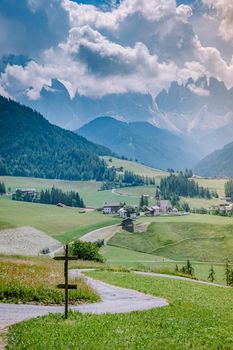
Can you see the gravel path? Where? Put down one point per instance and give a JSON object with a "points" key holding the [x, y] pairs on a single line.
{"points": [[113, 300], [25, 241]]}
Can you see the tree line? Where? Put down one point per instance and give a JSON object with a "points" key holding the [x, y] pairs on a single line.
{"points": [[229, 189], [50, 196], [129, 178], [182, 185], [2, 188]]}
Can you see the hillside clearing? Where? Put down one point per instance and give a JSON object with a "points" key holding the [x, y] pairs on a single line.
{"points": [[136, 167]]}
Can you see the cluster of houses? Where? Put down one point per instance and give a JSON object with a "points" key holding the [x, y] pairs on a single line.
{"points": [[224, 208]]}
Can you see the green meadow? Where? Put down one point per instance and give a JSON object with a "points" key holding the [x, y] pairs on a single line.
{"points": [[136, 167], [198, 317], [63, 224]]}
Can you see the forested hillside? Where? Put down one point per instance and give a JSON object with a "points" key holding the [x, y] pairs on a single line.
{"points": [[31, 146], [148, 144]]}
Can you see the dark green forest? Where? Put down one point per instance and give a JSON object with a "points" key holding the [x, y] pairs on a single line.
{"points": [[183, 185], [31, 146]]}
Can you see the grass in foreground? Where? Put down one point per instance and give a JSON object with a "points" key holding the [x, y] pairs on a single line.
{"points": [[198, 317], [34, 280]]}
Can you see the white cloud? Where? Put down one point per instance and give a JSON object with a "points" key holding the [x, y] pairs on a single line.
{"points": [[224, 10], [140, 46], [198, 90]]}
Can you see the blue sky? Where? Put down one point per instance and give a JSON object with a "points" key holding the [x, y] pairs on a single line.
{"points": [[135, 46]]}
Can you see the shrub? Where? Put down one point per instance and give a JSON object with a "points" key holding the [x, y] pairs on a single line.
{"points": [[86, 251], [186, 269]]}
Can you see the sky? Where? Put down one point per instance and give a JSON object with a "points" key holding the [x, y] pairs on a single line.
{"points": [[101, 47]]}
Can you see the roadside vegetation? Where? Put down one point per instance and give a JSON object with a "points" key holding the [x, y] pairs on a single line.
{"points": [[198, 317], [34, 280]]}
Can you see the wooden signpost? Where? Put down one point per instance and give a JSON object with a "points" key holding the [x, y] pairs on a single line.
{"points": [[66, 285]]}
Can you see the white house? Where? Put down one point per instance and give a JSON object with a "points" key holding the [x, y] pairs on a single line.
{"points": [[111, 208]]}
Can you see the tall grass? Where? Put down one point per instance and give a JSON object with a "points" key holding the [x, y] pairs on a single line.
{"points": [[35, 281]]}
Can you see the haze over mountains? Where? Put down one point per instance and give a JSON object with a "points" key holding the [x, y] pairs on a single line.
{"points": [[142, 141]]}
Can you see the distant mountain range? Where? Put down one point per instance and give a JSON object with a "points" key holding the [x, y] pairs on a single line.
{"points": [[218, 163], [202, 110], [31, 146], [142, 141]]}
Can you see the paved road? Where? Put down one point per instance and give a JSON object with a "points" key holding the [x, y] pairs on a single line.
{"points": [[102, 233], [153, 274], [113, 300]]}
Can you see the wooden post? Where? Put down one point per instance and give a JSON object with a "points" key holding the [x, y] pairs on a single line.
{"points": [[66, 280], [66, 285]]}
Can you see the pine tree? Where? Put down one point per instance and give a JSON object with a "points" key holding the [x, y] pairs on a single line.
{"points": [[227, 272], [211, 276]]}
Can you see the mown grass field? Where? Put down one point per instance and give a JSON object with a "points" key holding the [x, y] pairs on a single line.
{"points": [[34, 280], [137, 168], [213, 184], [149, 262], [63, 224], [180, 241], [199, 317]]}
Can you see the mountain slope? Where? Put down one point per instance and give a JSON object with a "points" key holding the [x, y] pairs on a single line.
{"points": [[218, 163], [31, 146], [140, 140]]}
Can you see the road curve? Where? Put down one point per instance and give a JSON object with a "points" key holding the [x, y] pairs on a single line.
{"points": [[113, 300], [154, 274]]}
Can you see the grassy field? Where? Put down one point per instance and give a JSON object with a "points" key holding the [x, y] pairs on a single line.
{"points": [[181, 240], [35, 280], [89, 190], [137, 168], [134, 193], [213, 184], [199, 317], [134, 260], [63, 224]]}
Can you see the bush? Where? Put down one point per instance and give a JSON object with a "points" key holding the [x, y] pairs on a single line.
{"points": [[86, 251]]}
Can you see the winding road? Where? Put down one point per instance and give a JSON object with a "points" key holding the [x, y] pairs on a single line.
{"points": [[113, 300]]}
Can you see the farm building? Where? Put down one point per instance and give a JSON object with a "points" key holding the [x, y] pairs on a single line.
{"points": [[29, 194], [127, 225], [111, 208]]}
